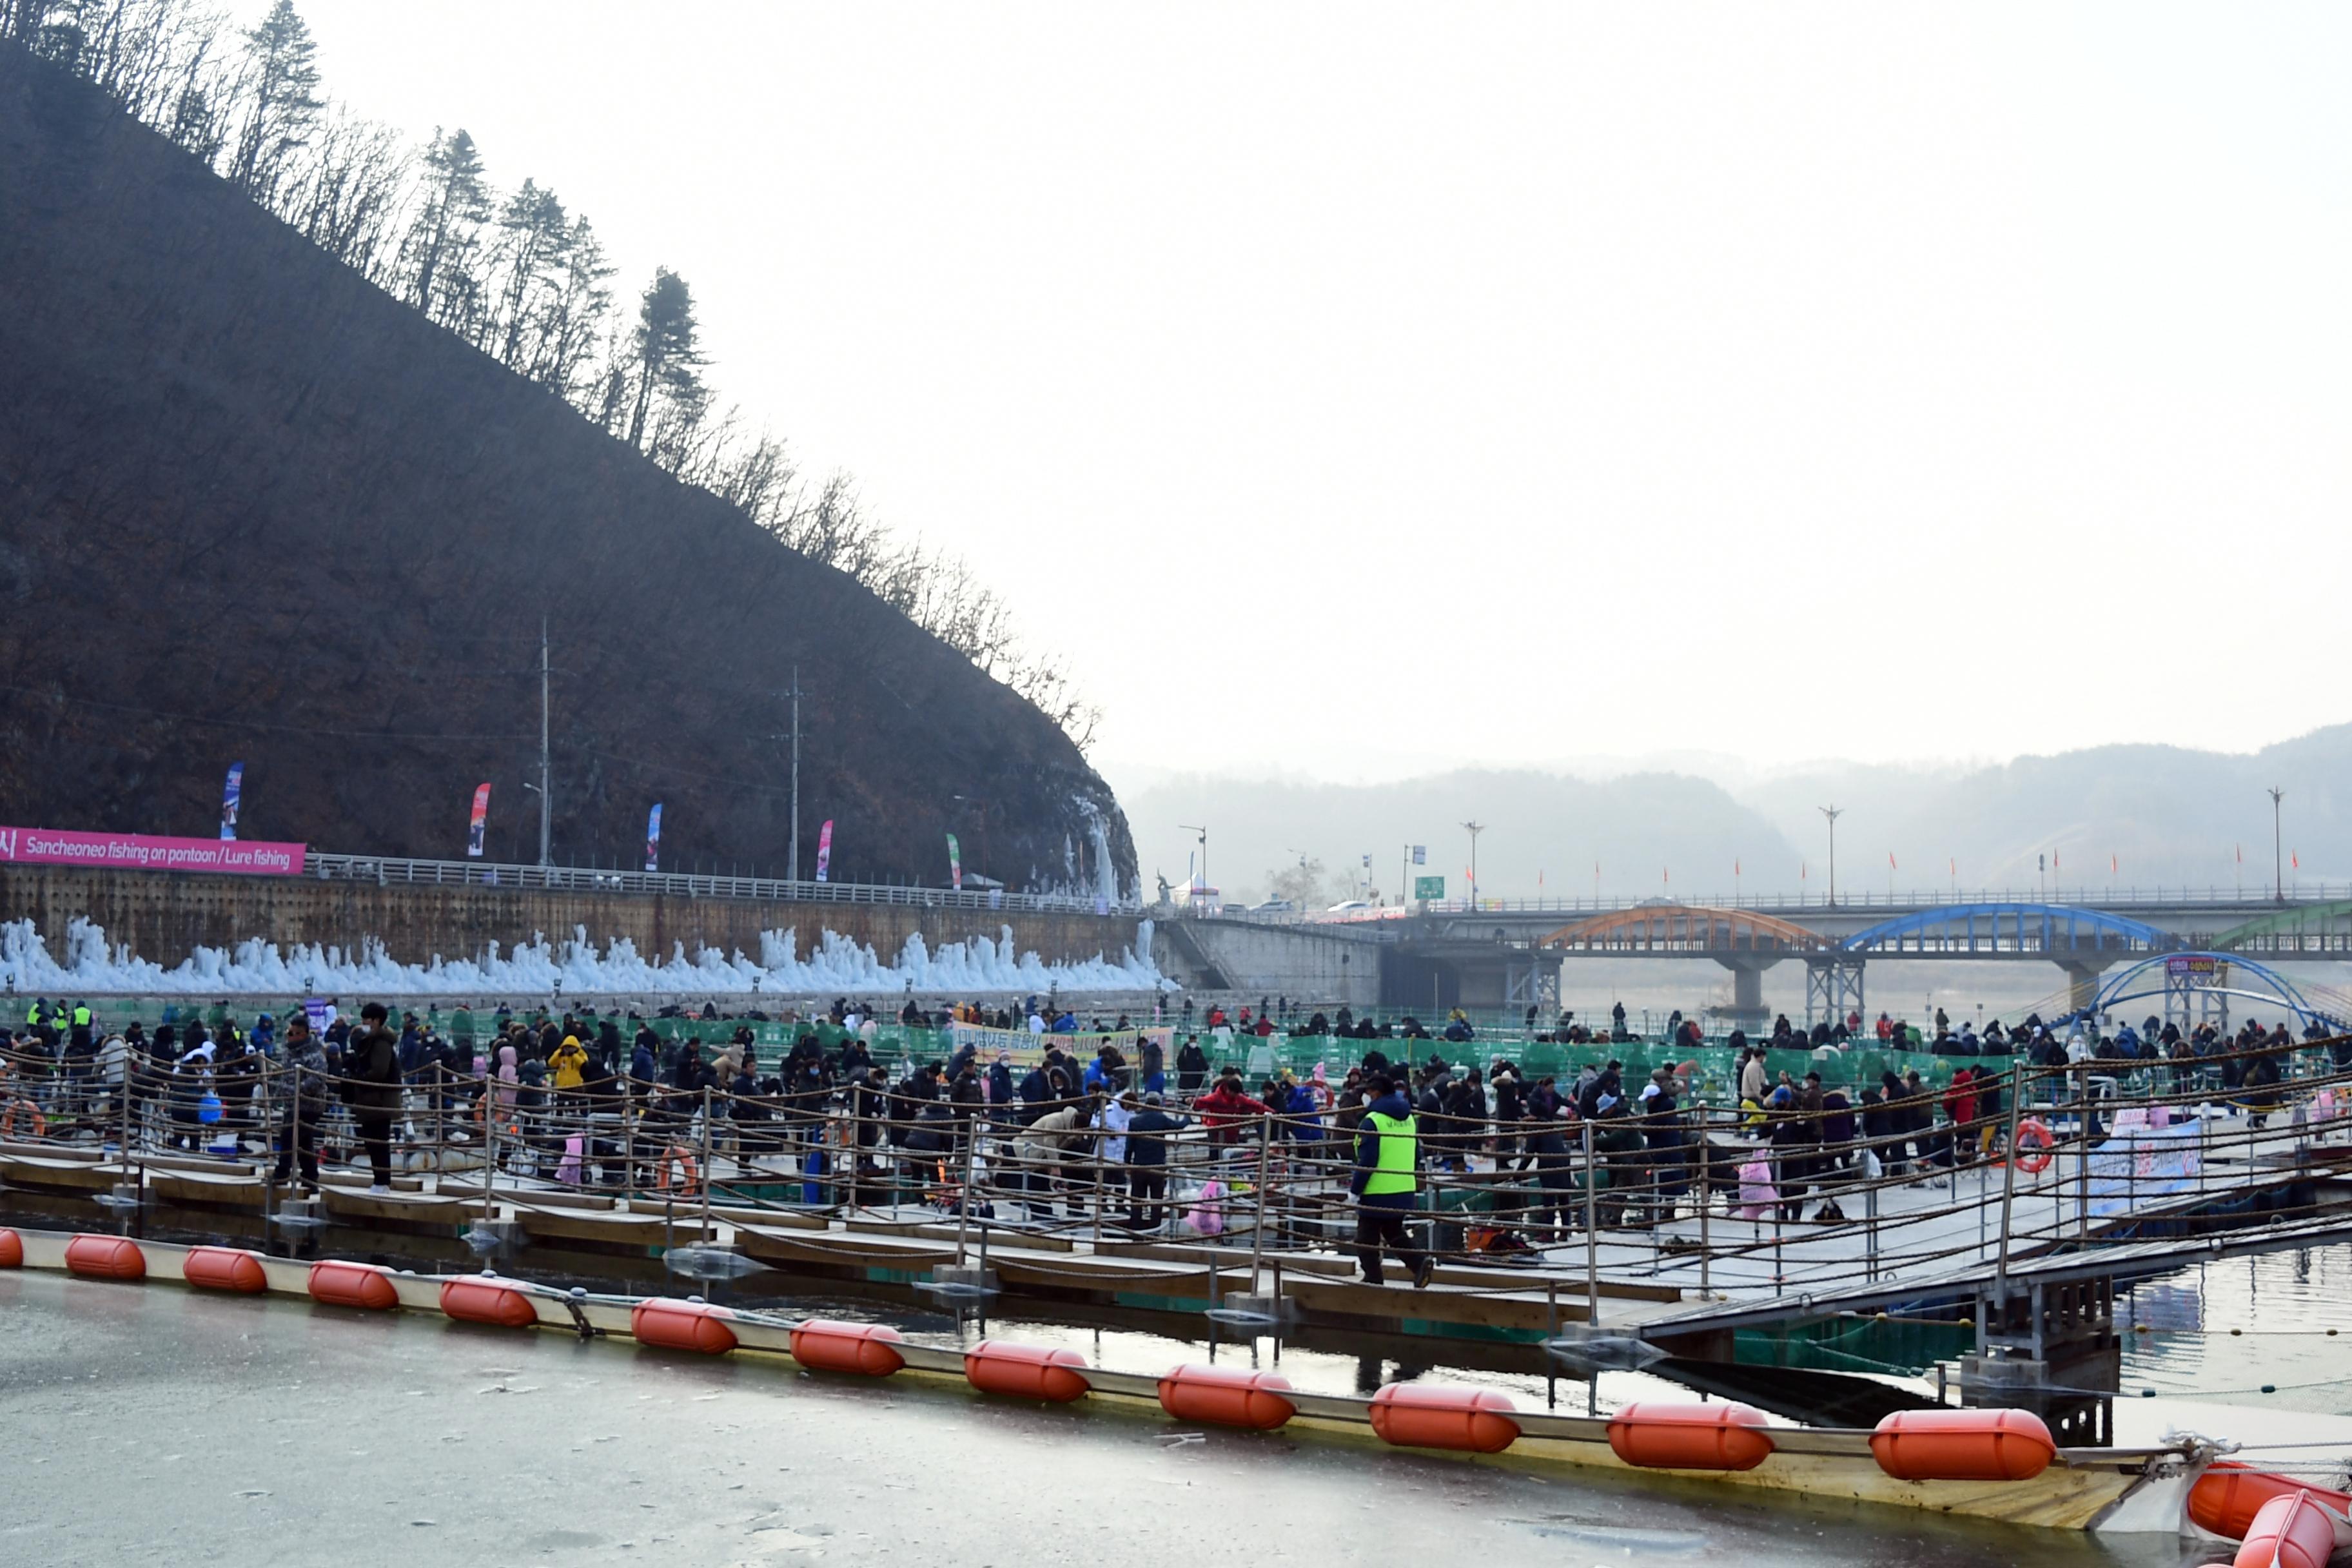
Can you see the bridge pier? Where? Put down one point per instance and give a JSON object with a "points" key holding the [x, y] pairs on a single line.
{"points": [[2082, 980], [1747, 984]]}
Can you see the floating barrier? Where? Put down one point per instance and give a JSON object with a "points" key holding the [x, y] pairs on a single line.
{"points": [[1690, 1436], [1963, 1445], [867, 1349], [2289, 1533], [677, 1325], [2036, 1145], [12, 1249], [225, 1268], [1421, 1416], [486, 1301], [367, 1286], [105, 1257], [1226, 1396], [1026, 1372]]}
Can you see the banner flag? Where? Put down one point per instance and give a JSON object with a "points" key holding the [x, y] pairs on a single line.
{"points": [[480, 820], [653, 838], [229, 799], [1420, 854], [824, 849], [955, 863]]}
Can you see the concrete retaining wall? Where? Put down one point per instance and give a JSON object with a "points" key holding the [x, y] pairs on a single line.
{"points": [[1235, 958], [162, 916]]}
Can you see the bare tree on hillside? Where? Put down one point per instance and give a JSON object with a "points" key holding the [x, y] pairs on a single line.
{"points": [[277, 92]]}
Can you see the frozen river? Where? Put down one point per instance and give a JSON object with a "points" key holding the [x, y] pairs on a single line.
{"points": [[149, 1423]]}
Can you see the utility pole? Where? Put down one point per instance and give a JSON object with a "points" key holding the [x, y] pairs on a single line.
{"points": [[1833, 813], [2278, 860], [1473, 829], [1203, 832], [792, 858], [546, 770]]}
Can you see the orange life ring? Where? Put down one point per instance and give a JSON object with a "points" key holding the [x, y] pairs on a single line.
{"points": [[678, 1161], [2034, 1144], [8, 1119]]}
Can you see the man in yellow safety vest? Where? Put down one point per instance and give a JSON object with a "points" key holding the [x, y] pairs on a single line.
{"points": [[1386, 1178]]}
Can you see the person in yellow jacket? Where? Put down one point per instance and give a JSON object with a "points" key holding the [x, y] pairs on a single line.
{"points": [[564, 1067], [1386, 1178]]}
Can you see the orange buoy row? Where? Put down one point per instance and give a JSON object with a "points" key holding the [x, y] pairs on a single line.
{"points": [[1963, 1445], [225, 1268], [12, 1249], [364, 1285], [1690, 1436], [1026, 1372], [1422, 1415], [105, 1257], [488, 1301], [1227, 1396], [682, 1326], [868, 1350]]}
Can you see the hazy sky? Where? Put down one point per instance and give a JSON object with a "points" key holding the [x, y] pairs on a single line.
{"points": [[1361, 390]]}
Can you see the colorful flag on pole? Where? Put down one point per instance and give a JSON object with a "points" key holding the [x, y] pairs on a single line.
{"points": [[653, 838], [229, 799], [2113, 864], [2294, 859], [2241, 854], [955, 863], [825, 849], [479, 821], [1890, 859]]}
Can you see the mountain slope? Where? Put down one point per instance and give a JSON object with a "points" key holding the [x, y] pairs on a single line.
{"points": [[253, 510]]}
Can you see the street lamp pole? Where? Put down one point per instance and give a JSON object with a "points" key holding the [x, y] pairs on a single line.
{"points": [[1193, 827], [1473, 829], [2278, 859], [1832, 813]]}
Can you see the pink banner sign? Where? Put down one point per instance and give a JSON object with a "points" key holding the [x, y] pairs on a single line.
{"points": [[145, 852]]}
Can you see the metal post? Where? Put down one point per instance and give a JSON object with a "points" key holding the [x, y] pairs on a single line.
{"points": [[971, 1164], [1592, 1234], [793, 857], [706, 1173], [1257, 1239], [1705, 1199], [2008, 1186]]}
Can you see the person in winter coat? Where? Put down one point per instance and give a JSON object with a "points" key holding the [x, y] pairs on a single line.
{"points": [[306, 1105], [1146, 1161], [1224, 1108], [1387, 1184], [1050, 1149], [1191, 1067], [371, 1090]]}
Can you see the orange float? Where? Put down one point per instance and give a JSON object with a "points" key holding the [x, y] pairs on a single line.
{"points": [[225, 1268], [105, 1257], [2034, 1145], [364, 1285], [675, 1325], [1963, 1445], [1026, 1372], [2289, 1533], [1226, 1396], [867, 1350], [475, 1300], [1690, 1436], [12, 1249], [1419, 1415], [2226, 1497]]}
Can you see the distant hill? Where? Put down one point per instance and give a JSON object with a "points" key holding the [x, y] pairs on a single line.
{"points": [[2164, 815], [252, 508]]}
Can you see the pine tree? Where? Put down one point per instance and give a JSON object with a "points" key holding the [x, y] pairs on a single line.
{"points": [[666, 359], [282, 101]]}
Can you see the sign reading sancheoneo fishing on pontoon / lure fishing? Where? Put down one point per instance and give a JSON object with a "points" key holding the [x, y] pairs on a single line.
{"points": [[2136, 1164], [147, 852]]}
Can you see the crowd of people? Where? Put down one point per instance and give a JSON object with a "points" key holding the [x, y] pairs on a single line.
{"points": [[612, 1100]]}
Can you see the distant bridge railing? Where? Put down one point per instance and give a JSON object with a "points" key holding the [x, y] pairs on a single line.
{"points": [[388, 871], [2299, 895]]}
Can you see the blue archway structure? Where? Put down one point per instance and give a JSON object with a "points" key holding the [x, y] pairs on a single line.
{"points": [[2186, 973], [2058, 931]]}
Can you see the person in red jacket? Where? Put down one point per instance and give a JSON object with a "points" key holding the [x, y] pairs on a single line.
{"points": [[1960, 1106], [1226, 1108]]}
